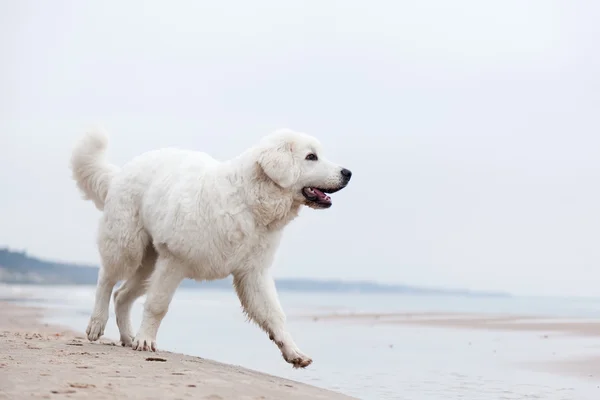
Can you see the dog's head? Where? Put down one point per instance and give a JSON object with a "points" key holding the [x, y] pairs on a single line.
{"points": [[295, 162]]}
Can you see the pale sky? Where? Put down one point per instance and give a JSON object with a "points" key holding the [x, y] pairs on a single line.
{"points": [[472, 127]]}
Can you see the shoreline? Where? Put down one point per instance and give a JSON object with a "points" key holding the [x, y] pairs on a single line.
{"points": [[39, 360]]}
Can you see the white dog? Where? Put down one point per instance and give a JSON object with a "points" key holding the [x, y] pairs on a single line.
{"points": [[173, 214]]}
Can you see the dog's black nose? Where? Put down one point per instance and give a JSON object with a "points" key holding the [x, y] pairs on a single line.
{"points": [[347, 174]]}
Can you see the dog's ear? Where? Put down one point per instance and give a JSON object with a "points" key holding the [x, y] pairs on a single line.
{"points": [[276, 158]]}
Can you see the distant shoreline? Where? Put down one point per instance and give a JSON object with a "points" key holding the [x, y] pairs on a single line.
{"points": [[19, 268], [40, 360]]}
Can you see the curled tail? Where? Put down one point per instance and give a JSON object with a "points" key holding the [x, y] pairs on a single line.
{"points": [[91, 171]]}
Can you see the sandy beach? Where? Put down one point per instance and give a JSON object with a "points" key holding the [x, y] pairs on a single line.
{"points": [[38, 360]]}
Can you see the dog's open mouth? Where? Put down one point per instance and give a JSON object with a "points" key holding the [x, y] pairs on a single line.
{"points": [[318, 197]]}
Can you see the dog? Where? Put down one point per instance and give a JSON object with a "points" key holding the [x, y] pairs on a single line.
{"points": [[171, 214]]}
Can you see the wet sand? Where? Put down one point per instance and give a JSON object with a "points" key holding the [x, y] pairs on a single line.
{"points": [[45, 361], [587, 367]]}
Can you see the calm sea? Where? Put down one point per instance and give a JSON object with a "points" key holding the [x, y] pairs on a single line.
{"points": [[361, 359]]}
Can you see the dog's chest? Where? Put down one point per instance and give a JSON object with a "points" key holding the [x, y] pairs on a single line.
{"points": [[241, 248], [224, 253]]}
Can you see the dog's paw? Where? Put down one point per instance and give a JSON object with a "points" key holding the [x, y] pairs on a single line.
{"points": [[127, 340], [143, 343], [95, 329], [301, 362], [296, 358]]}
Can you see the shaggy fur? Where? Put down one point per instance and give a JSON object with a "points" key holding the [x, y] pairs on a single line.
{"points": [[173, 214]]}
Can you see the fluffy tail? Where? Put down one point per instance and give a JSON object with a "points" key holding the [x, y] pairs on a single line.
{"points": [[91, 171]]}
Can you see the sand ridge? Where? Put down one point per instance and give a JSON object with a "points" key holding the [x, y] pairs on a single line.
{"points": [[499, 322]]}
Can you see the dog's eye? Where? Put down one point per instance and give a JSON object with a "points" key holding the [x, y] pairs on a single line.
{"points": [[312, 157]]}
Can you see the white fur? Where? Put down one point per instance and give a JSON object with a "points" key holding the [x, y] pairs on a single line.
{"points": [[172, 214], [91, 172]]}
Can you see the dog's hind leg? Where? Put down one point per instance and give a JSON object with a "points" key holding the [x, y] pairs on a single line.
{"points": [[121, 244], [129, 291], [105, 284]]}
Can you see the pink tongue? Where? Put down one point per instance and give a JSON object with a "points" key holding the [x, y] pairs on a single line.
{"points": [[321, 195]]}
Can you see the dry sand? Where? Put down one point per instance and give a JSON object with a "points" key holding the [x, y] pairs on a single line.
{"points": [[45, 361]]}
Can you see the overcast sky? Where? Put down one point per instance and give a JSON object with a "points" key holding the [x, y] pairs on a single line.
{"points": [[472, 128]]}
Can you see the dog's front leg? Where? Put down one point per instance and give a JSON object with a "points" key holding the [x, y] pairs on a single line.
{"points": [[257, 293]]}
